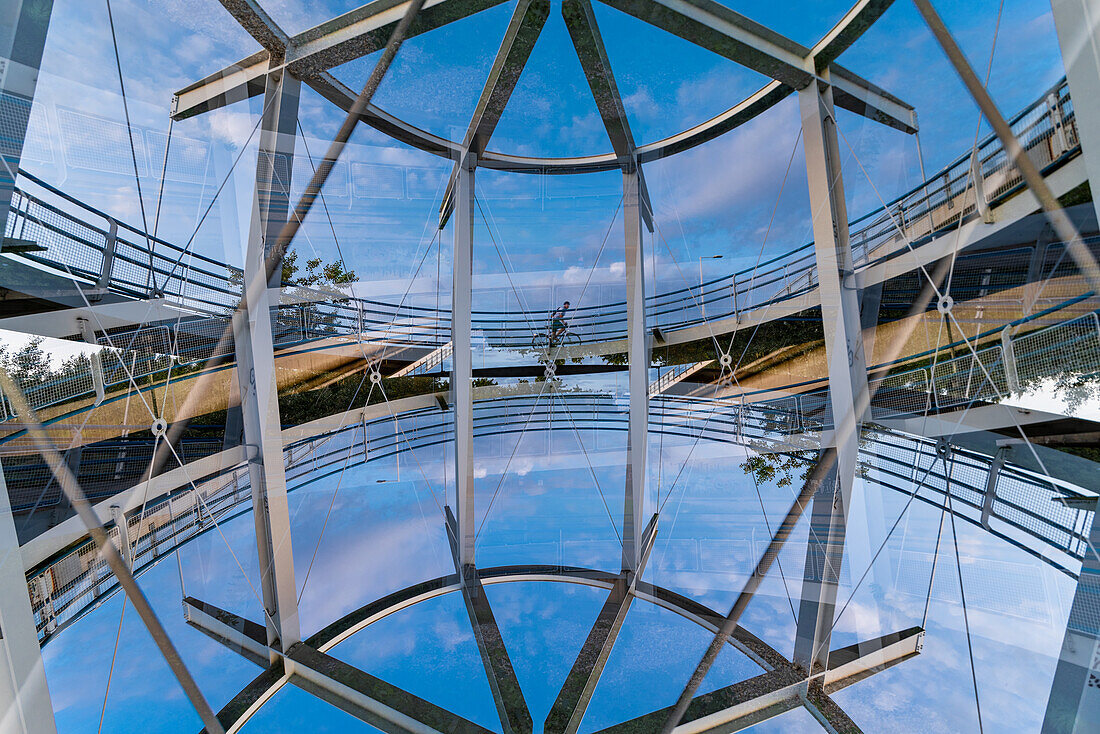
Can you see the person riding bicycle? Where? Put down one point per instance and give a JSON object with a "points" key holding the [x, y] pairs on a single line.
{"points": [[557, 322]]}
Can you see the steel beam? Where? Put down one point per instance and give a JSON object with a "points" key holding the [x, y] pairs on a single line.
{"points": [[576, 692], [728, 709], [847, 372], [581, 22], [311, 53], [715, 27], [638, 345], [370, 699], [366, 29], [818, 476], [519, 39], [252, 327], [523, 31], [515, 717], [462, 396], [25, 706], [749, 702], [243, 80], [856, 662], [255, 20], [1073, 706], [23, 25], [1078, 25]]}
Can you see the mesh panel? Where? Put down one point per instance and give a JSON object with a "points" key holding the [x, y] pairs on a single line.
{"points": [[1070, 347], [99, 144], [979, 376]]}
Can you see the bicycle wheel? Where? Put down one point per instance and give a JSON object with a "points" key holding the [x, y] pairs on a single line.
{"points": [[541, 342]]}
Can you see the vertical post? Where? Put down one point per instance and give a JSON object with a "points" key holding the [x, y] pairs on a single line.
{"points": [[980, 200], [1074, 702], [638, 377], [110, 243], [1059, 143], [252, 330], [119, 518], [1008, 353], [462, 357], [25, 706], [23, 25], [1078, 25], [847, 373]]}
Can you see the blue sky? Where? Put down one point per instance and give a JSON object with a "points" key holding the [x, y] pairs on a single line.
{"points": [[715, 199], [383, 537]]}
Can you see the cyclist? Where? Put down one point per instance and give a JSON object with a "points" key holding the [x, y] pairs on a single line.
{"points": [[557, 322]]}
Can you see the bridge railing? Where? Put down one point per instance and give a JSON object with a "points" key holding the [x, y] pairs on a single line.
{"points": [[116, 257], [960, 191], [1022, 507]]}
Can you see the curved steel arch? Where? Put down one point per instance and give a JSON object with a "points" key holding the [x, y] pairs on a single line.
{"points": [[244, 79], [236, 713]]}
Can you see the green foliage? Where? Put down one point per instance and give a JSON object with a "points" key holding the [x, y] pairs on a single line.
{"points": [[349, 393], [765, 467], [30, 366]]}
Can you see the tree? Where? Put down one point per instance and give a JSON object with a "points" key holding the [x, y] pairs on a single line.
{"points": [[307, 313]]}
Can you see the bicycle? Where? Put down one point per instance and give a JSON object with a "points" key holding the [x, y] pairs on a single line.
{"points": [[544, 341]]}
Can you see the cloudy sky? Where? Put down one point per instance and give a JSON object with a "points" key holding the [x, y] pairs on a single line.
{"points": [[382, 200], [381, 207], [549, 508]]}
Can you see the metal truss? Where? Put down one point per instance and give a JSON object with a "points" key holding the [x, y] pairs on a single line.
{"points": [[782, 687], [311, 54]]}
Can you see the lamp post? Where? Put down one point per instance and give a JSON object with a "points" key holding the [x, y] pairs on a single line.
{"points": [[702, 301]]}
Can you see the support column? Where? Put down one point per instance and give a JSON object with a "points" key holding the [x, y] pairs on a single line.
{"points": [[638, 380], [847, 373], [1074, 703], [462, 357], [25, 706], [23, 25], [1078, 26], [252, 330]]}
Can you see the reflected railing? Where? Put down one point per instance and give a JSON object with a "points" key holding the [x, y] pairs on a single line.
{"points": [[62, 233], [1022, 508]]}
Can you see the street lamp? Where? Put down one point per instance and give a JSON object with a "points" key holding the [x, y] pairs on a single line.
{"points": [[702, 300]]}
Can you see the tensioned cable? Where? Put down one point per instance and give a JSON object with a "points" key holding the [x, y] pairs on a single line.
{"points": [[534, 403], [591, 470], [221, 533], [962, 594], [412, 449], [778, 561], [163, 175], [321, 194], [932, 573], [336, 491], [124, 531], [764, 242], [735, 367], [71, 487], [111, 670], [523, 306], [977, 135], [244, 147], [130, 135], [958, 423], [968, 342], [330, 159]]}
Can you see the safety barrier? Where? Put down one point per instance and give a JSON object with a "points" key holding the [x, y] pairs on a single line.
{"points": [[120, 259], [1021, 507]]}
